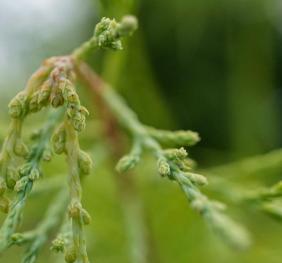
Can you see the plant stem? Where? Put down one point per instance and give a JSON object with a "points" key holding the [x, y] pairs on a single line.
{"points": [[85, 49], [72, 150], [38, 237], [13, 218]]}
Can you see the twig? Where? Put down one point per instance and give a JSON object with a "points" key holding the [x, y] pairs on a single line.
{"points": [[29, 172], [172, 168], [37, 237]]}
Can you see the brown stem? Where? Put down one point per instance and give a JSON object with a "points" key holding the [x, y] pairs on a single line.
{"points": [[96, 84]]}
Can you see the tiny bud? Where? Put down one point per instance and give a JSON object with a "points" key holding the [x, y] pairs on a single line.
{"points": [[24, 170], [57, 98], [34, 174], [102, 26], [86, 218], [71, 96], [72, 110], [17, 105], [78, 122], [47, 155], [181, 153], [84, 162], [59, 140], [69, 92], [75, 210], [176, 154], [21, 184], [67, 88], [84, 111], [107, 35], [11, 177], [44, 93], [70, 255], [163, 167], [11, 183], [127, 25], [21, 149], [174, 138], [188, 165], [43, 98], [197, 179], [127, 163], [58, 245], [17, 238], [183, 166], [187, 138]]}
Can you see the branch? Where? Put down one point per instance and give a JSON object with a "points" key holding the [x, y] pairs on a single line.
{"points": [[37, 237], [29, 172], [171, 164]]}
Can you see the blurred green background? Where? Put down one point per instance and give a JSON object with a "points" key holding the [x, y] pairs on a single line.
{"points": [[210, 66]]}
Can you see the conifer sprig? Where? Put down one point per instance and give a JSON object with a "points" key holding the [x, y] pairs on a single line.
{"points": [[171, 163], [36, 238], [79, 164], [27, 173], [54, 85], [107, 35]]}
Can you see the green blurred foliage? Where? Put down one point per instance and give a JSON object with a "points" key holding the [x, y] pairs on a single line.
{"points": [[220, 63]]}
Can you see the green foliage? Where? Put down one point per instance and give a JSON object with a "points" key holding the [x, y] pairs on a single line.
{"points": [[54, 86], [172, 164], [107, 35]]}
